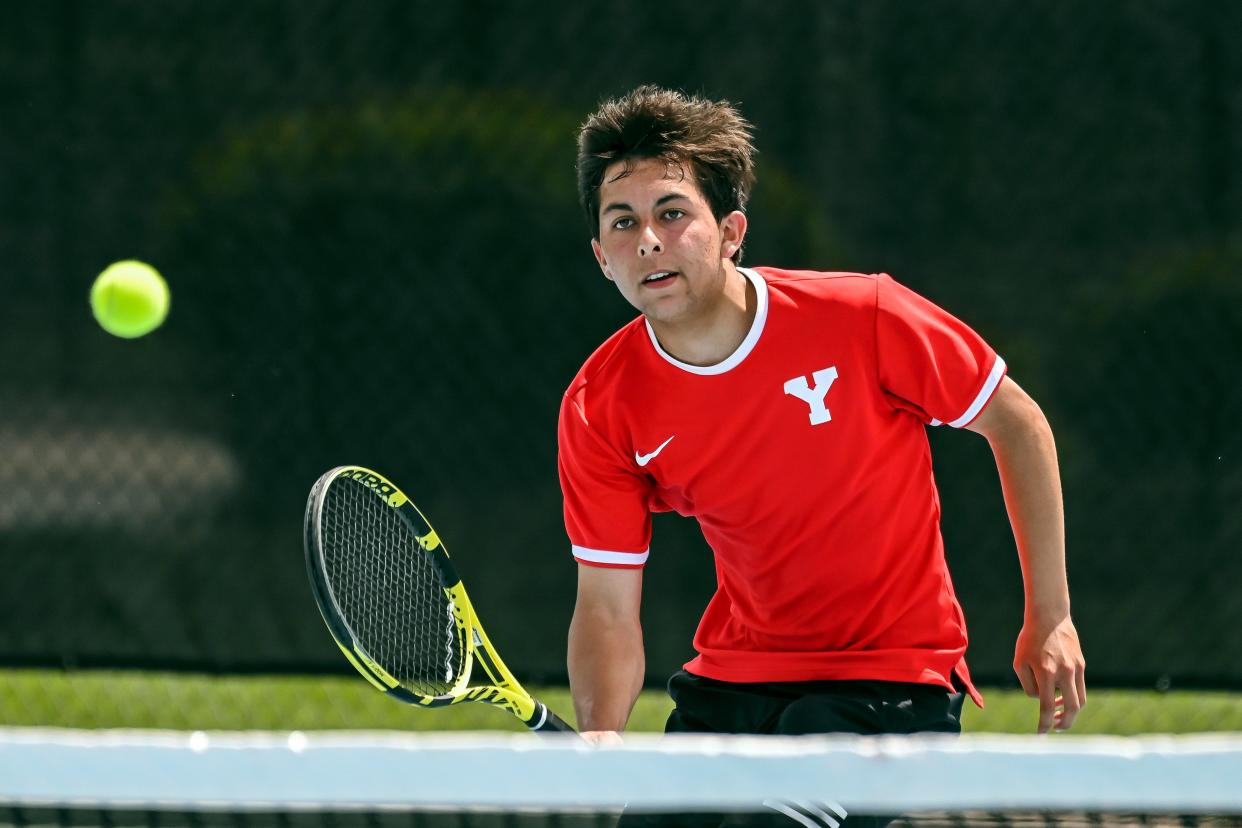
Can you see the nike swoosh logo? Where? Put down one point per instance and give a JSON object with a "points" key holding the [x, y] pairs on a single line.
{"points": [[644, 459]]}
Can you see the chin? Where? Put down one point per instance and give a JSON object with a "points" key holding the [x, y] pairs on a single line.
{"points": [[664, 315]]}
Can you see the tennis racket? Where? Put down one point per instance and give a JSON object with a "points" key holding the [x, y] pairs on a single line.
{"points": [[394, 603]]}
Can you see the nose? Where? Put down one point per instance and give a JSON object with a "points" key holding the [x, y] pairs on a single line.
{"points": [[649, 243]]}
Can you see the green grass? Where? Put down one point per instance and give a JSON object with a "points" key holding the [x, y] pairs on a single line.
{"points": [[98, 699]]}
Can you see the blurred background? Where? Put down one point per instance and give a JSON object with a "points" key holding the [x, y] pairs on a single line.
{"points": [[367, 217]]}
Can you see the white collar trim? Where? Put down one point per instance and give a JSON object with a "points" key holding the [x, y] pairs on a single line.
{"points": [[748, 344]]}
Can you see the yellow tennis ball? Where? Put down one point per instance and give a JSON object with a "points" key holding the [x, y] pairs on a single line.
{"points": [[129, 299]]}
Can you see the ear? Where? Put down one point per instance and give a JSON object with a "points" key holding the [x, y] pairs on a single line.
{"points": [[599, 257], [732, 233]]}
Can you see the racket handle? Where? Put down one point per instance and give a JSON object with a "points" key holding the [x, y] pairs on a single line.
{"points": [[545, 721]]}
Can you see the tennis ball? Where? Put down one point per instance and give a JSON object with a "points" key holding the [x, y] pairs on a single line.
{"points": [[129, 299]]}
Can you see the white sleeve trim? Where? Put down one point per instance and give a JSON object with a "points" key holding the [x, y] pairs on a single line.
{"points": [[604, 556], [985, 394]]}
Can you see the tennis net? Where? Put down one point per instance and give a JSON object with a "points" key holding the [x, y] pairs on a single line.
{"points": [[341, 780]]}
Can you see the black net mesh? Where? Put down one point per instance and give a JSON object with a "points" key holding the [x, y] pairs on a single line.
{"points": [[95, 818], [109, 818]]}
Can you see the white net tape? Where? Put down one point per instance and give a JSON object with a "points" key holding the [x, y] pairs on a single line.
{"points": [[376, 771]]}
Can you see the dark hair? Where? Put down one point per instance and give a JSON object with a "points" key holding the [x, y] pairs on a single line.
{"points": [[710, 138]]}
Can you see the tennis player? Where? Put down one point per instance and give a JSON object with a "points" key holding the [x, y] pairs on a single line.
{"points": [[787, 412]]}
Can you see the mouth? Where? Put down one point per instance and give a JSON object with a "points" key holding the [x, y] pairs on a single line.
{"points": [[659, 279]]}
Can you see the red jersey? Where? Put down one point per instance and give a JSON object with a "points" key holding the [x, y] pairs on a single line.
{"points": [[804, 458]]}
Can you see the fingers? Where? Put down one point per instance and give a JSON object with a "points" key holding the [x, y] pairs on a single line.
{"points": [[601, 737], [1047, 702], [1026, 677], [1062, 694], [1049, 663], [1069, 702], [1072, 682], [1040, 685]]}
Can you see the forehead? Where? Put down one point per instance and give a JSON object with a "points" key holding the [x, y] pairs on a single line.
{"points": [[647, 179]]}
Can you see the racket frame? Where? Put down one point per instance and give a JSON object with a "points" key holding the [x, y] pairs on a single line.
{"points": [[504, 691]]}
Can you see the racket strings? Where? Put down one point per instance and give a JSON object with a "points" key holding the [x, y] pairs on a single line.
{"points": [[388, 590]]}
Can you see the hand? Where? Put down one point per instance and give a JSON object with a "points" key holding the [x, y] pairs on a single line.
{"points": [[601, 737], [1049, 663]]}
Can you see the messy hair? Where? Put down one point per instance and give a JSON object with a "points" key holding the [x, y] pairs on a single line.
{"points": [[707, 139]]}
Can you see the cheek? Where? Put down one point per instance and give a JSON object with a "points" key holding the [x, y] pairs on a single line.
{"points": [[613, 251], [702, 239]]}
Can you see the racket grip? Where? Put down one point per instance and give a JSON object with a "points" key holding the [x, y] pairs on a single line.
{"points": [[545, 721]]}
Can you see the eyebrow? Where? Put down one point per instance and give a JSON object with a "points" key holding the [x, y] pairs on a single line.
{"points": [[662, 200]]}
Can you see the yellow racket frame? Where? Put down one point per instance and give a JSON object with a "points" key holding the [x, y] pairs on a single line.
{"points": [[503, 689]]}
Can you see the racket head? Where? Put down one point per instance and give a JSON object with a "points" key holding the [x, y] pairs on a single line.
{"points": [[386, 588]]}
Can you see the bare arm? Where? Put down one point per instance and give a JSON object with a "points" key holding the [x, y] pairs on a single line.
{"points": [[1048, 657], [606, 657]]}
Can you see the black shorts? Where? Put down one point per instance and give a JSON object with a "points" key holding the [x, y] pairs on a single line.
{"points": [[797, 708], [868, 708]]}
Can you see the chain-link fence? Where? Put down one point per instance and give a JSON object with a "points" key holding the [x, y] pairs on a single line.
{"points": [[368, 220]]}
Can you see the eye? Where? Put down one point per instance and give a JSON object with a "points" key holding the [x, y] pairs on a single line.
{"points": [[622, 223], [672, 214]]}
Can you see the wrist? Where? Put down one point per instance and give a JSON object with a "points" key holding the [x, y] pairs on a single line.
{"points": [[1047, 612]]}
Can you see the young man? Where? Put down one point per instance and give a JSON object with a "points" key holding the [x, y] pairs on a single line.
{"points": [[786, 411]]}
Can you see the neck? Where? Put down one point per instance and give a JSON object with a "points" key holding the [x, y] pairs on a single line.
{"points": [[711, 336]]}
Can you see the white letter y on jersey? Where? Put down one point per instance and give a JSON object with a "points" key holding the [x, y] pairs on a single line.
{"points": [[814, 396]]}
